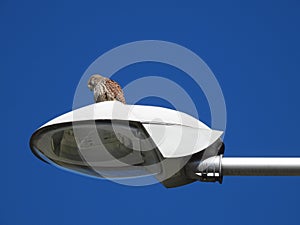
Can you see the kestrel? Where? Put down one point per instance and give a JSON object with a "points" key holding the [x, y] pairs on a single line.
{"points": [[105, 89]]}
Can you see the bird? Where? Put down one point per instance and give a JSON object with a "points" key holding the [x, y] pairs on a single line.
{"points": [[105, 89]]}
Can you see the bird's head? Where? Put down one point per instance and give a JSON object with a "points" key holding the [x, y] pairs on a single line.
{"points": [[94, 80]]}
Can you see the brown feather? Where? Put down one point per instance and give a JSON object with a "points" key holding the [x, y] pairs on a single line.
{"points": [[116, 90]]}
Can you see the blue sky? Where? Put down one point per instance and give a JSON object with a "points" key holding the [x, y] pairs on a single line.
{"points": [[254, 51]]}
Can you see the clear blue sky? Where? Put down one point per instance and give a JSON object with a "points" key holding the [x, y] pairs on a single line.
{"points": [[254, 50]]}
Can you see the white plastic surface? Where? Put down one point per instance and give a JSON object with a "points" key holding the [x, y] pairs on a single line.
{"points": [[176, 134]]}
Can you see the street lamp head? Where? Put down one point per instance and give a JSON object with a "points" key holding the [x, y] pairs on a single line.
{"points": [[116, 141]]}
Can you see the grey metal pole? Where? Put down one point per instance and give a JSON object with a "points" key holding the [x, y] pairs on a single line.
{"points": [[214, 168], [244, 166]]}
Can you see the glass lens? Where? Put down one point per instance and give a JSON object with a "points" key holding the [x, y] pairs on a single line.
{"points": [[102, 148]]}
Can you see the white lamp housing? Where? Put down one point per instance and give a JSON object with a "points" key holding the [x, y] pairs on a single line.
{"points": [[116, 141]]}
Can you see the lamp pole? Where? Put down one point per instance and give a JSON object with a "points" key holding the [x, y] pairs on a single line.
{"points": [[237, 166], [215, 167]]}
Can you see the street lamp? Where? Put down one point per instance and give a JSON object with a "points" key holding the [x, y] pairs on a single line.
{"points": [[116, 141]]}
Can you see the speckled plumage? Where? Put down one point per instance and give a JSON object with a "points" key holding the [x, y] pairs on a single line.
{"points": [[105, 89]]}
